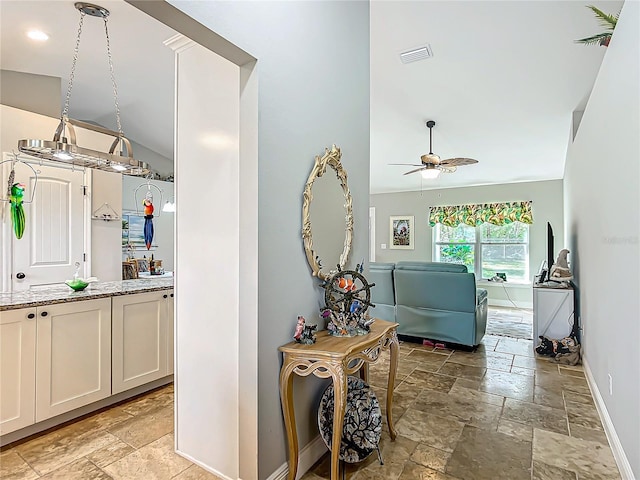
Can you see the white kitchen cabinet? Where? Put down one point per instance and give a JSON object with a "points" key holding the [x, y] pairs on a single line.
{"points": [[140, 339], [17, 369], [73, 358]]}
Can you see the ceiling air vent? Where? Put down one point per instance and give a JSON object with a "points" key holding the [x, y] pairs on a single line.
{"points": [[415, 54]]}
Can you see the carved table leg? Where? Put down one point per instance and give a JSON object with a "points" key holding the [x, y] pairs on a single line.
{"points": [[286, 397], [340, 400], [364, 372], [393, 366]]}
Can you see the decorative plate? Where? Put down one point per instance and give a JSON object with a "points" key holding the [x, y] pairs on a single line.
{"points": [[362, 425]]}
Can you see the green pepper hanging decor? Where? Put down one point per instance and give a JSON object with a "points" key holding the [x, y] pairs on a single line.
{"points": [[16, 198]]}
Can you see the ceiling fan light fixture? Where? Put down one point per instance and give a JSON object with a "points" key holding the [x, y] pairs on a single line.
{"points": [[430, 173], [64, 150]]}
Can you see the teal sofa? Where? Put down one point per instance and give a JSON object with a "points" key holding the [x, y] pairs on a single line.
{"points": [[430, 300]]}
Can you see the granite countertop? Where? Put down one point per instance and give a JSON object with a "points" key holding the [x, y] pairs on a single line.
{"points": [[61, 293]]}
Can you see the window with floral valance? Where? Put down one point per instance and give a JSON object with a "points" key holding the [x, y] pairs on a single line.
{"points": [[476, 214]]}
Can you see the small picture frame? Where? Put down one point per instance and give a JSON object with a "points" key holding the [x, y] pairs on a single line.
{"points": [[143, 264], [401, 232]]}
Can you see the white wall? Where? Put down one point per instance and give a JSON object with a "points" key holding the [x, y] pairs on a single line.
{"points": [[207, 283], [163, 227], [313, 65], [106, 236], [547, 207], [601, 183], [31, 92]]}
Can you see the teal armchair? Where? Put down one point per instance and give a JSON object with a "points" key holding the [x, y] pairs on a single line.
{"points": [[439, 301], [382, 295]]}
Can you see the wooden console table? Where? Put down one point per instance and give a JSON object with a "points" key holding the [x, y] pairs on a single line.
{"points": [[335, 357]]}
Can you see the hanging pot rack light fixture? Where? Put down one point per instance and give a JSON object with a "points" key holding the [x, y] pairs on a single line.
{"points": [[63, 148]]}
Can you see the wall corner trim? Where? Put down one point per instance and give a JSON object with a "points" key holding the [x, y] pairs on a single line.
{"points": [[618, 452], [309, 455], [202, 465]]}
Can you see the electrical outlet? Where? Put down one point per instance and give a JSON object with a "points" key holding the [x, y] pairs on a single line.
{"points": [[610, 385]]}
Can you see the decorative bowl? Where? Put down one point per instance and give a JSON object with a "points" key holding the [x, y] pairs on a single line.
{"points": [[77, 284]]}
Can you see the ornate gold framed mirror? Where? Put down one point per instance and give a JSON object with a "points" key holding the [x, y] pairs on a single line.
{"points": [[327, 215]]}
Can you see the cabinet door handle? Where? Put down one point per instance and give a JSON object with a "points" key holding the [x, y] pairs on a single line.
{"points": [[20, 275], [164, 296], [171, 295], [44, 314], [31, 315]]}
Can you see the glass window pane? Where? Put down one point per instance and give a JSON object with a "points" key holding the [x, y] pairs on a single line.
{"points": [[510, 259], [459, 234], [456, 254], [513, 232]]}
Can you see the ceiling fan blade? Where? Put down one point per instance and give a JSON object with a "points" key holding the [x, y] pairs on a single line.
{"points": [[406, 164], [456, 162], [416, 170]]}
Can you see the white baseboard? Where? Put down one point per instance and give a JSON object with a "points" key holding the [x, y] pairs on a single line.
{"points": [[616, 447], [507, 303], [309, 455], [202, 465]]}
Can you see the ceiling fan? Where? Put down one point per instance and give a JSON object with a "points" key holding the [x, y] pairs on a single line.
{"points": [[432, 165]]}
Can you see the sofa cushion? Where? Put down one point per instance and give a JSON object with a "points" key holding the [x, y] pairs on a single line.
{"points": [[382, 275], [481, 294], [381, 266], [432, 266]]}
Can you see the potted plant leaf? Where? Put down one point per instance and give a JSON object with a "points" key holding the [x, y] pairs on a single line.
{"points": [[607, 21]]}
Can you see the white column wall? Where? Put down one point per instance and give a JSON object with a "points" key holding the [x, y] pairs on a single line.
{"points": [[207, 279]]}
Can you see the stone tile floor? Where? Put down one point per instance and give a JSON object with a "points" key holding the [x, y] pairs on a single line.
{"points": [[495, 413], [131, 441]]}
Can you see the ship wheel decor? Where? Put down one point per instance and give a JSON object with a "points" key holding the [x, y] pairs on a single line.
{"points": [[347, 296]]}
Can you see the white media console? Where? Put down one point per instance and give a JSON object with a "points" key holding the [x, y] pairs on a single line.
{"points": [[553, 313]]}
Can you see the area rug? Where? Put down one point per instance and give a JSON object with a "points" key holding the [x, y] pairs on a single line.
{"points": [[512, 323]]}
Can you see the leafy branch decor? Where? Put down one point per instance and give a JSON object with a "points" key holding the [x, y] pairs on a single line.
{"points": [[607, 21]]}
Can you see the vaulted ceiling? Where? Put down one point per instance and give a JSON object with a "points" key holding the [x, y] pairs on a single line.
{"points": [[502, 84]]}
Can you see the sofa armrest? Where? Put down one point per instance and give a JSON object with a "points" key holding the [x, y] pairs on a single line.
{"points": [[481, 295]]}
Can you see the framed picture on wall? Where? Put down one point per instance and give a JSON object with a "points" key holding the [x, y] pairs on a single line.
{"points": [[401, 232]]}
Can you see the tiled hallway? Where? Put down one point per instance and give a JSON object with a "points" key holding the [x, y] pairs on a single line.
{"points": [[494, 414], [132, 441], [497, 414]]}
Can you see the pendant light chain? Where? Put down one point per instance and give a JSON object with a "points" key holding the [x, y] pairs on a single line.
{"points": [[113, 79], [65, 112]]}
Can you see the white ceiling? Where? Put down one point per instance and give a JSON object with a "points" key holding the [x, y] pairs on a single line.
{"points": [[503, 82], [144, 67]]}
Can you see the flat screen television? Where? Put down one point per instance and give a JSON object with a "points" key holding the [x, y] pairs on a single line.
{"points": [[545, 274]]}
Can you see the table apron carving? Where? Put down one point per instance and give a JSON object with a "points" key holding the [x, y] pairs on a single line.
{"points": [[336, 358]]}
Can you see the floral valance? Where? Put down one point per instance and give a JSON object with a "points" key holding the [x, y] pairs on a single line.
{"points": [[475, 215]]}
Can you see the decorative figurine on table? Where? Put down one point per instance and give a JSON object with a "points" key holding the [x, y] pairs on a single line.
{"points": [[560, 269], [347, 298], [304, 334], [148, 219]]}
